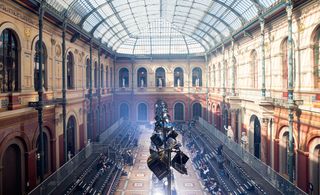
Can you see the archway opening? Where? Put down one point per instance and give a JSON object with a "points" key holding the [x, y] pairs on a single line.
{"points": [[142, 112], [124, 111], [71, 138], [46, 154], [12, 170], [196, 108], [178, 112]]}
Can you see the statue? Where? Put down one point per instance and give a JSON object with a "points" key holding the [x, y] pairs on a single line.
{"points": [[244, 140], [141, 83], [197, 82], [123, 82], [160, 82], [229, 130], [178, 82]]}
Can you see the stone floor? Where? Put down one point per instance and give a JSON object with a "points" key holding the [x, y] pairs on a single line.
{"points": [[138, 181]]}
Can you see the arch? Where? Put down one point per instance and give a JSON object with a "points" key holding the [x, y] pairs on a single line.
{"points": [[197, 77], [10, 61], [178, 113], [142, 77], [315, 40], [124, 110], [13, 164], [314, 164], [283, 151], [123, 77], [142, 112], [70, 70], [255, 136], [178, 77], [196, 110], [71, 135], [254, 69], [160, 77], [44, 66]]}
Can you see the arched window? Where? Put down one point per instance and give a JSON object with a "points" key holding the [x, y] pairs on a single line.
{"points": [[160, 77], [124, 111], [214, 75], [178, 112], [196, 110], [142, 112], [107, 76], [197, 77], [88, 73], [254, 69], [102, 75], [124, 77], [44, 66], [178, 77], [95, 75], [111, 77], [9, 62], [46, 153], [70, 70], [255, 136], [71, 137], [316, 56], [219, 72], [142, 77]]}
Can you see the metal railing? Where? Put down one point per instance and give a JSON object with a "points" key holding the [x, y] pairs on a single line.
{"points": [[270, 175], [59, 176]]}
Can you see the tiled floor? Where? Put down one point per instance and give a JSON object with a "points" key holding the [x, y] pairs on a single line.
{"points": [[138, 181]]}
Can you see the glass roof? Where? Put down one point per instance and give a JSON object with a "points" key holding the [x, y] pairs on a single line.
{"points": [[161, 26]]}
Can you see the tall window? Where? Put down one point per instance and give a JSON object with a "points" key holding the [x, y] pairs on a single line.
{"points": [[44, 66], [107, 76], [124, 77], [124, 111], [178, 77], [254, 69], [160, 77], [88, 73], [284, 49], [316, 54], [178, 112], [70, 70], [142, 112], [102, 75], [142, 77], [219, 72], [197, 77], [95, 75], [71, 137], [214, 75], [8, 61], [111, 77], [196, 110]]}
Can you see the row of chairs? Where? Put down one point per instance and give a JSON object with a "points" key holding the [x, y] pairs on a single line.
{"points": [[246, 184]]}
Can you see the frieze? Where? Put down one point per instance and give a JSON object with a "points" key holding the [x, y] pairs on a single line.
{"points": [[16, 13]]}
